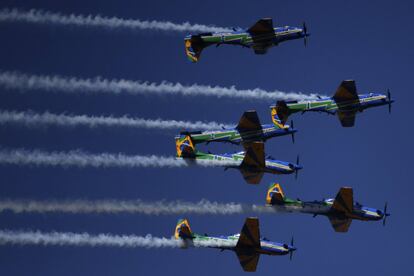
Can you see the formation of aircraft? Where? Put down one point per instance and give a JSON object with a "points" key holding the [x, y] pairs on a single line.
{"points": [[248, 245], [345, 103], [251, 163], [340, 210], [260, 37], [248, 130]]}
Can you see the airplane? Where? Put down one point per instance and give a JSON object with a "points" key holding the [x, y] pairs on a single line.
{"points": [[340, 211], [260, 37], [248, 129], [248, 245], [345, 104], [251, 163]]}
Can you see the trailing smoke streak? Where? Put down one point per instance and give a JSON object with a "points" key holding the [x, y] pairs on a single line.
{"points": [[24, 82], [45, 17], [46, 118], [8, 237], [84, 239], [203, 207], [103, 160]]}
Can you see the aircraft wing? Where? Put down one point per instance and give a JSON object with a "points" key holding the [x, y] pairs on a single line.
{"points": [[260, 49], [253, 162], [346, 92], [250, 234], [262, 34], [251, 177], [347, 118], [254, 156], [249, 122], [344, 201], [340, 225], [248, 261], [262, 27]]}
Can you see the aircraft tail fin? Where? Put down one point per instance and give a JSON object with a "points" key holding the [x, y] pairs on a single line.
{"points": [[183, 230], [280, 114], [185, 147], [194, 45], [275, 194], [276, 118]]}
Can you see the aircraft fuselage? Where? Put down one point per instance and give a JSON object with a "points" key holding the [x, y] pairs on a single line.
{"points": [[324, 207], [243, 38], [329, 105], [234, 160], [233, 135], [230, 242]]}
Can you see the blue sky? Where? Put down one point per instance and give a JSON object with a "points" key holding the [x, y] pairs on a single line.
{"points": [[371, 43]]}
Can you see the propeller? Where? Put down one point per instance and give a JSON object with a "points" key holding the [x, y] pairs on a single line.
{"points": [[293, 133], [296, 171], [385, 214], [305, 32], [291, 251], [389, 100]]}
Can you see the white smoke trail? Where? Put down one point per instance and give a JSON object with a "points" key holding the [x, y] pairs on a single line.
{"points": [[103, 160], [8, 237], [84, 239], [203, 207], [24, 82], [46, 118], [45, 17]]}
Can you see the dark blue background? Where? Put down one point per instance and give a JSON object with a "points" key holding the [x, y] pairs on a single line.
{"points": [[371, 42]]}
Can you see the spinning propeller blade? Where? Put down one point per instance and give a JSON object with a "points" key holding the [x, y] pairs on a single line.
{"points": [[305, 33], [296, 171], [385, 214], [291, 251], [293, 133], [389, 100]]}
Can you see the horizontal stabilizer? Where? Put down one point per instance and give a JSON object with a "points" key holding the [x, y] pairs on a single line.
{"points": [[189, 133]]}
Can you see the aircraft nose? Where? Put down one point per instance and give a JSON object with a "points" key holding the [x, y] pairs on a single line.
{"points": [[298, 167], [380, 213]]}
